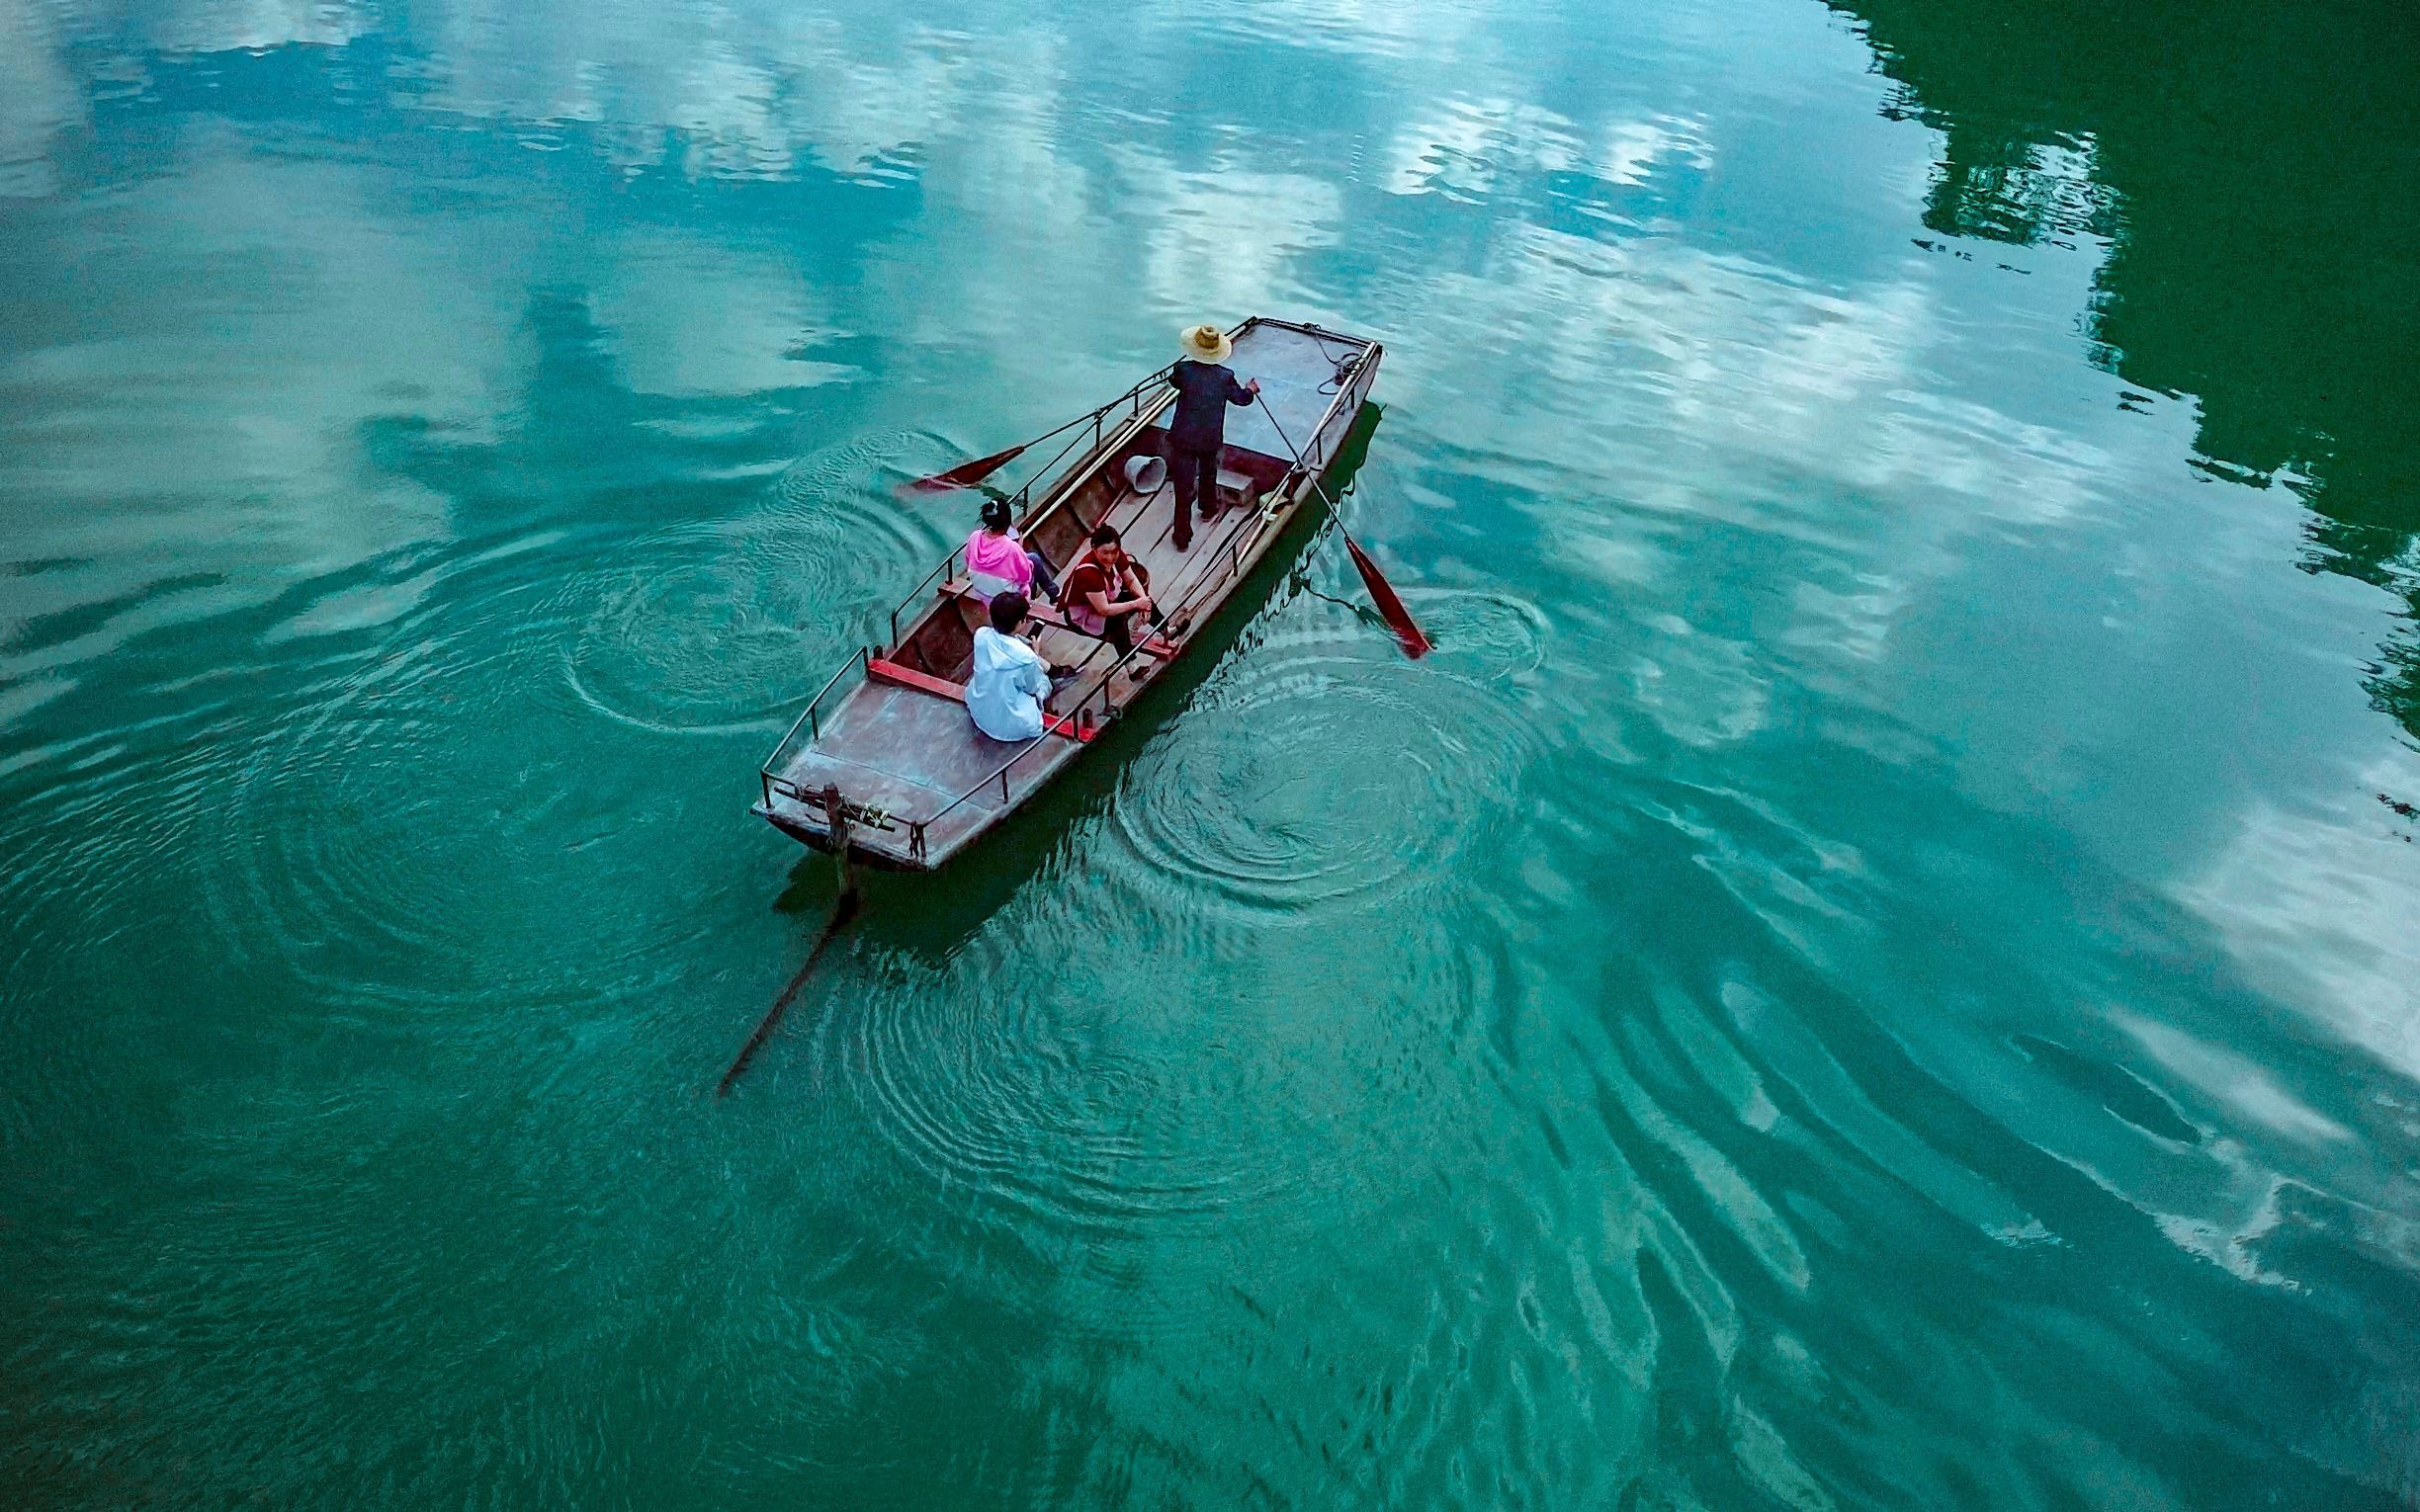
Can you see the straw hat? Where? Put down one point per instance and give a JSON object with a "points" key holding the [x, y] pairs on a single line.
{"points": [[1207, 344]]}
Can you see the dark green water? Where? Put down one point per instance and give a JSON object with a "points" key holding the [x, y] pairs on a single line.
{"points": [[1874, 967]]}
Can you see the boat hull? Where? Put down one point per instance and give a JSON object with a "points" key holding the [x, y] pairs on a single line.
{"points": [[916, 783]]}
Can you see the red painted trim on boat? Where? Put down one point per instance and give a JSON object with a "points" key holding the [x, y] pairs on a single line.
{"points": [[891, 672], [884, 670]]}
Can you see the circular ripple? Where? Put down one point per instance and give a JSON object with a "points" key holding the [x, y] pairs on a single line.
{"points": [[1110, 1101], [448, 823], [431, 827], [857, 465], [1322, 771], [1481, 635], [93, 877], [728, 625], [718, 628], [89, 824]]}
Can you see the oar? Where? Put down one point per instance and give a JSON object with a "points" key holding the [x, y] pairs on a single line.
{"points": [[845, 911], [1382, 593], [1416, 642], [844, 908], [968, 475]]}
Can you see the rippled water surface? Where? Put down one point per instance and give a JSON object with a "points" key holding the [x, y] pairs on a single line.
{"points": [[1873, 968]]}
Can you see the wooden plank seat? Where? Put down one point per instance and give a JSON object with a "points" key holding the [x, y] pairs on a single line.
{"points": [[1155, 644], [941, 687]]}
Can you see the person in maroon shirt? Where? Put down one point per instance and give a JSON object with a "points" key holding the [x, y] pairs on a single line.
{"points": [[1104, 589], [1204, 389]]}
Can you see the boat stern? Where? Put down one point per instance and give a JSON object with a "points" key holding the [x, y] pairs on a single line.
{"points": [[875, 835]]}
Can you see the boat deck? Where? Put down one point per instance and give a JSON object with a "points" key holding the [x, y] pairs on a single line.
{"points": [[900, 747], [1297, 369], [910, 752], [912, 749]]}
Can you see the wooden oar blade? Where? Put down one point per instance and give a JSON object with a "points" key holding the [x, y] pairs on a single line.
{"points": [[1382, 593], [965, 474]]}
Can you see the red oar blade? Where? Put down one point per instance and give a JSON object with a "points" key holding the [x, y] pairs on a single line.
{"points": [[965, 474], [1382, 594]]}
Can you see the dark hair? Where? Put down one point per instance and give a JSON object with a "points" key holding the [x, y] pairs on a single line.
{"points": [[1009, 611], [1106, 535], [995, 513]]}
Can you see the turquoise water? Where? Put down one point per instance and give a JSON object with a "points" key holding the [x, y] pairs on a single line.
{"points": [[1872, 967]]}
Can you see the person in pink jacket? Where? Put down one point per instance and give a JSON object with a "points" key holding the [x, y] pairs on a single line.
{"points": [[997, 562]]}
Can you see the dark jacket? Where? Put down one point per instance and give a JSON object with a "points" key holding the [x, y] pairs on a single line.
{"points": [[1204, 392]]}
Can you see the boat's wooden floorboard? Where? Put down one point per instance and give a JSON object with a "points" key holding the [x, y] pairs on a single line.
{"points": [[1292, 367], [913, 752]]}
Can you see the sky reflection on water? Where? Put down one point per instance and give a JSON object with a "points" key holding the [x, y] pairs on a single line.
{"points": [[1873, 968]]}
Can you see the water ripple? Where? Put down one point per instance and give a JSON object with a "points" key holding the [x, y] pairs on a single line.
{"points": [[1115, 1099], [1323, 771], [846, 472], [726, 626], [358, 828]]}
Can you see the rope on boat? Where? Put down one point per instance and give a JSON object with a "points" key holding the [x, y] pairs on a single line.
{"points": [[1361, 612], [1415, 641], [844, 909]]}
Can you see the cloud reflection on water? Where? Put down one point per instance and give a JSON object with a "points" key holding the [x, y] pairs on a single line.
{"points": [[1788, 494]]}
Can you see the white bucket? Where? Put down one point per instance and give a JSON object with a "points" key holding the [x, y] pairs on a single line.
{"points": [[1145, 475]]}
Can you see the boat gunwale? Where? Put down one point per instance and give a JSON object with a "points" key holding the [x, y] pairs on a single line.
{"points": [[1296, 472], [1053, 496], [1247, 541]]}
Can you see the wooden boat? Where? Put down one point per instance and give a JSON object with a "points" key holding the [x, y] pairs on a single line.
{"points": [[886, 755]]}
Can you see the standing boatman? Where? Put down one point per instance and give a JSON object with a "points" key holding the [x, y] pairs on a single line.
{"points": [[1204, 389]]}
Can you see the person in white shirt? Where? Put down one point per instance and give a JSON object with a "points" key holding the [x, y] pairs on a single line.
{"points": [[1004, 692]]}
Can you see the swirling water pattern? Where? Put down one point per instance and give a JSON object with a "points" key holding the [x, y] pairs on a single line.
{"points": [[1870, 968]]}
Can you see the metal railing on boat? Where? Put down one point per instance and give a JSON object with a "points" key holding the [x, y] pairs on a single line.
{"points": [[1132, 400], [1234, 543]]}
